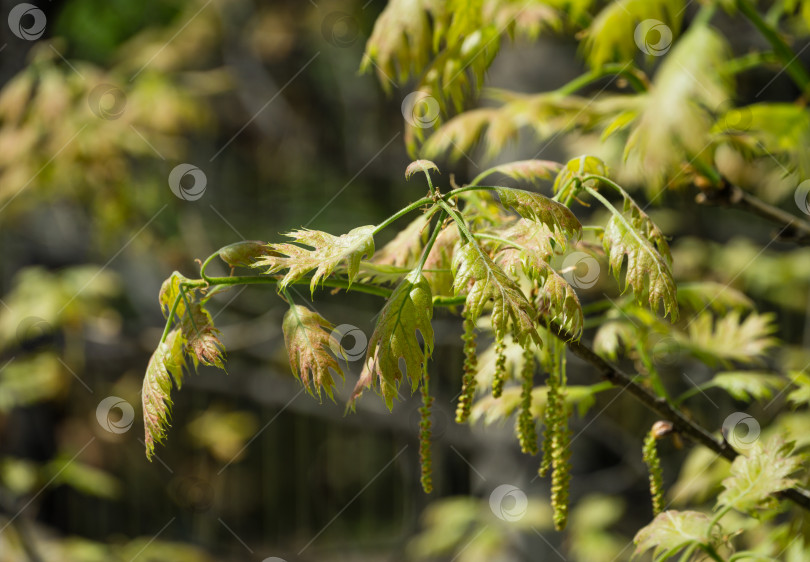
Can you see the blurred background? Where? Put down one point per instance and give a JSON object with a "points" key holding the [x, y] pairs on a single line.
{"points": [[100, 102]]}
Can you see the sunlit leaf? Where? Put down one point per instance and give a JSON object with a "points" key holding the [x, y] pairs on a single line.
{"points": [[533, 206], [730, 338], [167, 363], [672, 531], [531, 171], [747, 386], [326, 254]]}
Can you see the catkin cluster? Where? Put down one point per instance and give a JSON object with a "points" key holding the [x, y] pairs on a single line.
{"points": [[527, 431], [470, 365], [650, 455]]}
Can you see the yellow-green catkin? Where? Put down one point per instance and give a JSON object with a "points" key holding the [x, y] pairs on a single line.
{"points": [[527, 431], [470, 366], [500, 368], [650, 455], [557, 439], [425, 426]]}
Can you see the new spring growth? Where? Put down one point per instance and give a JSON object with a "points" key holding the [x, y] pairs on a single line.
{"points": [[470, 366], [650, 454]]}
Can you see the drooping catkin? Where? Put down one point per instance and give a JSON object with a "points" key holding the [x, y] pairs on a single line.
{"points": [[527, 431], [467, 395], [653, 462], [425, 427], [557, 439], [500, 367]]}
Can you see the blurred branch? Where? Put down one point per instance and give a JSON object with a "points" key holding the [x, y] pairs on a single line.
{"points": [[728, 195], [684, 425]]}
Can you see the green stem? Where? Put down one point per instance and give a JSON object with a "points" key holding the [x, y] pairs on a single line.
{"points": [[782, 50], [426, 250], [170, 318], [748, 61], [210, 258], [501, 240], [402, 212], [462, 226]]}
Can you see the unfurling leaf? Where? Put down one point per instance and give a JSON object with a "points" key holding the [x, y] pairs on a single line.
{"points": [[327, 253], [409, 309], [419, 166], [760, 472], [528, 170], [167, 362], [202, 338], [474, 269], [243, 254], [308, 338], [533, 206], [576, 169], [647, 272], [672, 531]]}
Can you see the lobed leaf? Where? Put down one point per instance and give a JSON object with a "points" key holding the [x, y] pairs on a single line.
{"points": [[327, 253], [762, 471], [647, 272], [309, 338], [409, 309], [709, 294], [474, 270], [531, 171]]}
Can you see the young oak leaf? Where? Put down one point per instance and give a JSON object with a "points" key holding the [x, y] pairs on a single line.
{"points": [[243, 254], [308, 338], [419, 166], [167, 362], [533, 206], [672, 531], [648, 274], [534, 236], [439, 261], [756, 475], [727, 338], [474, 269], [202, 338], [327, 253], [409, 309]]}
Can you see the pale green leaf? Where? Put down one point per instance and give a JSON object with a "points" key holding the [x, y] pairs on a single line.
{"points": [[747, 385], [672, 531], [531, 171], [475, 272], [614, 336], [439, 262], [729, 338], [326, 254], [759, 472], [648, 274], [489, 409], [309, 339], [611, 35], [576, 169], [801, 395], [407, 311], [419, 166]]}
